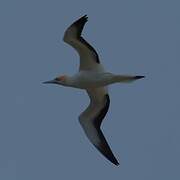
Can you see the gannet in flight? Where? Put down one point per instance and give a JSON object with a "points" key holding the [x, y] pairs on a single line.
{"points": [[94, 79]]}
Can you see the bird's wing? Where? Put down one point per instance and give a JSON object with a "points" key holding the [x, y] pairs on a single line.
{"points": [[88, 56], [91, 120]]}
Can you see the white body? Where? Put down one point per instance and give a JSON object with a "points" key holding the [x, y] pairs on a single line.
{"points": [[86, 80], [94, 79], [91, 79]]}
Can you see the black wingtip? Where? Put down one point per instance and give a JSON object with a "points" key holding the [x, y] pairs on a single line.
{"points": [[81, 21], [106, 151], [116, 163], [139, 77], [114, 160], [84, 18]]}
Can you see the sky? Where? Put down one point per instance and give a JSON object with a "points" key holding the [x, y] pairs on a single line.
{"points": [[40, 136]]}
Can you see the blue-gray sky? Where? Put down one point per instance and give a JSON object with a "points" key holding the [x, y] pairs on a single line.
{"points": [[40, 136]]}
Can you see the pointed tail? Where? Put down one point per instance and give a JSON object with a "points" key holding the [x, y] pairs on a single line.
{"points": [[126, 78]]}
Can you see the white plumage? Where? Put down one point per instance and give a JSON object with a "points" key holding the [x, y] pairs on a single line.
{"points": [[94, 79]]}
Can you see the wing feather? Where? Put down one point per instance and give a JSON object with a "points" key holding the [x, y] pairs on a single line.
{"points": [[92, 118], [89, 58]]}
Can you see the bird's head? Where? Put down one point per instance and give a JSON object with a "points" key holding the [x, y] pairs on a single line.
{"points": [[62, 80]]}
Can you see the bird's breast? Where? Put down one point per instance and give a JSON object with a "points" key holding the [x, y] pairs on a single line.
{"points": [[85, 79]]}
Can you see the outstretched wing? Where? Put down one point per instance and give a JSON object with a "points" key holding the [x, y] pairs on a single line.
{"points": [[91, 120], [88, 56]]}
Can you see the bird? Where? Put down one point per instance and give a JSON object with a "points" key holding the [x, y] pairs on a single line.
{"points": [[94, 79]]}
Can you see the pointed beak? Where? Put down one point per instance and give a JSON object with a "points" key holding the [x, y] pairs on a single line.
{"points": [[51, 82]]}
